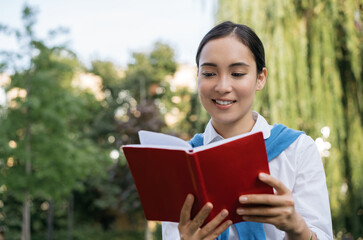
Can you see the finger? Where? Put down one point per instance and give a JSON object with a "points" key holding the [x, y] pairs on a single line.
{"points": [[260, 211], [200, 217], [273, 182], [210, 227], [280, 222], [270, 220], [262, 199], [223, 227], [186, 209]]}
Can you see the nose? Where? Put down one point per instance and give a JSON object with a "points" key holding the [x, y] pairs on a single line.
{"points": [[223, 85]]}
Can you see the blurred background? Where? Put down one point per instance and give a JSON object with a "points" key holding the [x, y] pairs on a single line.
{"points": [[79, 79]]}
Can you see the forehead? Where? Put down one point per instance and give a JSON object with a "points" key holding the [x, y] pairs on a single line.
{"points": [[226, 50]]}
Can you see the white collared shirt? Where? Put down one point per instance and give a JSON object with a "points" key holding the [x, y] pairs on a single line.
{"points": [[300, 169]]}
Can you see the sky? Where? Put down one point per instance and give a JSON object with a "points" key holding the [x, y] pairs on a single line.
{"points": [[113, 29]]}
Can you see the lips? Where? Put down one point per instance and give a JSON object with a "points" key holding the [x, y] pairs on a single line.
{"points": [[223, 102]]}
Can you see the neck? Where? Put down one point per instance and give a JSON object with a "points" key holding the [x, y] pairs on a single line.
{"points": [[227, 130]]}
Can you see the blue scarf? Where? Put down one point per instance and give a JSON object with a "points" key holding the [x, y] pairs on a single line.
{"points": [[280, 138]]}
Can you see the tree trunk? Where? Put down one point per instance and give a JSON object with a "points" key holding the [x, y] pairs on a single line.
{"points": [[70, 217], [50, 220], [25, 229]]}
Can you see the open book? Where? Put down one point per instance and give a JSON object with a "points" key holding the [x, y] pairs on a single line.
{"points": [[165, 169]]}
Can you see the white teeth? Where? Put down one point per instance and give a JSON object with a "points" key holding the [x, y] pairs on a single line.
{"points": [[224, 102]]}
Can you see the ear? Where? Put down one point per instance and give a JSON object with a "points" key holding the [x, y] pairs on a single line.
{"points": [[261, 79]]}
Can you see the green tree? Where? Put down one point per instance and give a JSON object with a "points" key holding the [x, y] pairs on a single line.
{"points": [[314, 58], [45, 150], [135, 99], [145, 77]]}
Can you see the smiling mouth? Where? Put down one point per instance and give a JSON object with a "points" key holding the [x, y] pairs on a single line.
{"points": [[223, 102]]}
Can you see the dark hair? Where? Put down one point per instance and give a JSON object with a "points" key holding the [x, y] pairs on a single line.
{"points": [[245, 34]]}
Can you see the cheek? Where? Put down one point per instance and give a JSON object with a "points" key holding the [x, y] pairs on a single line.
{"points": [[203, 88], [204, 92], [246, 89]]}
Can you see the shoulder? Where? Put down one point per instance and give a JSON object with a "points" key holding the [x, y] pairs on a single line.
{"points": [[294, 139], [296, 145], [305, 153], [280, 139], [304, 143]]}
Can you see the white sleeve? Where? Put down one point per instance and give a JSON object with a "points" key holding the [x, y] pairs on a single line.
{"points": [[170, 231], [310, 191]]}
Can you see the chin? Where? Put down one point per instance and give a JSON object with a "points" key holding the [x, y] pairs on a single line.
{"points": [[223, 120]]}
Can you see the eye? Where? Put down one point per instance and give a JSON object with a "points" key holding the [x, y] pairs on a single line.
{"points": [[207, 74], [238, 74]]}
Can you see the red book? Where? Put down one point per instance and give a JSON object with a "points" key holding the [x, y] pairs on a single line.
{"points": [[165, 169]]}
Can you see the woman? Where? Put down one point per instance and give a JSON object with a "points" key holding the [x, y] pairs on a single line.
{"points": [[231, 68]]}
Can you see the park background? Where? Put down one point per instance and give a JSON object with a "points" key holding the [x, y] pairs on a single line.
{"points": [[65, 112]]}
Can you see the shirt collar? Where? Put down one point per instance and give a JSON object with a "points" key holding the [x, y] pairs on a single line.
{"points": [[210, 135]]}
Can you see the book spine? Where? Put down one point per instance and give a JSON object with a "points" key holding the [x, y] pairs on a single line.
{"points": [[197, 178]]}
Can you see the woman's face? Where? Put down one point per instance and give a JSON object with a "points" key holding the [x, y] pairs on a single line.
{"points": [[228, 80]]}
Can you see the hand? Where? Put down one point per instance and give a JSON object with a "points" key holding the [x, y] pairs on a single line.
{"points": [[191, 228], [277, 209]]}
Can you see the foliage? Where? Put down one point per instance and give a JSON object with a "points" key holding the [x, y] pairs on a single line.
{"points": [[70, 142], [145, 76], [45, 150], [314, 58], [133, 101], [94, 232]]}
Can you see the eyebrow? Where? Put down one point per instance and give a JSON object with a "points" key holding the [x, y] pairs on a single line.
{"points": [[231, 65], [239, 64]]}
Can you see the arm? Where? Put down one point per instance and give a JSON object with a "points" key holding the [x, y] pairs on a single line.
{"points": [[307, 185], [278, 209], [310, 190]]}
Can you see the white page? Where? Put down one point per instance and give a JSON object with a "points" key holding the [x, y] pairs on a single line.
{"points": [[211, 145], [158, 147], [160, 139]]}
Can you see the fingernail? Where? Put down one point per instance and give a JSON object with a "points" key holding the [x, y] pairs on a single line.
{"points": [[209, 205], [229, 223], [263, 175], [224, 213], [243, 199], [240, 211]]}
